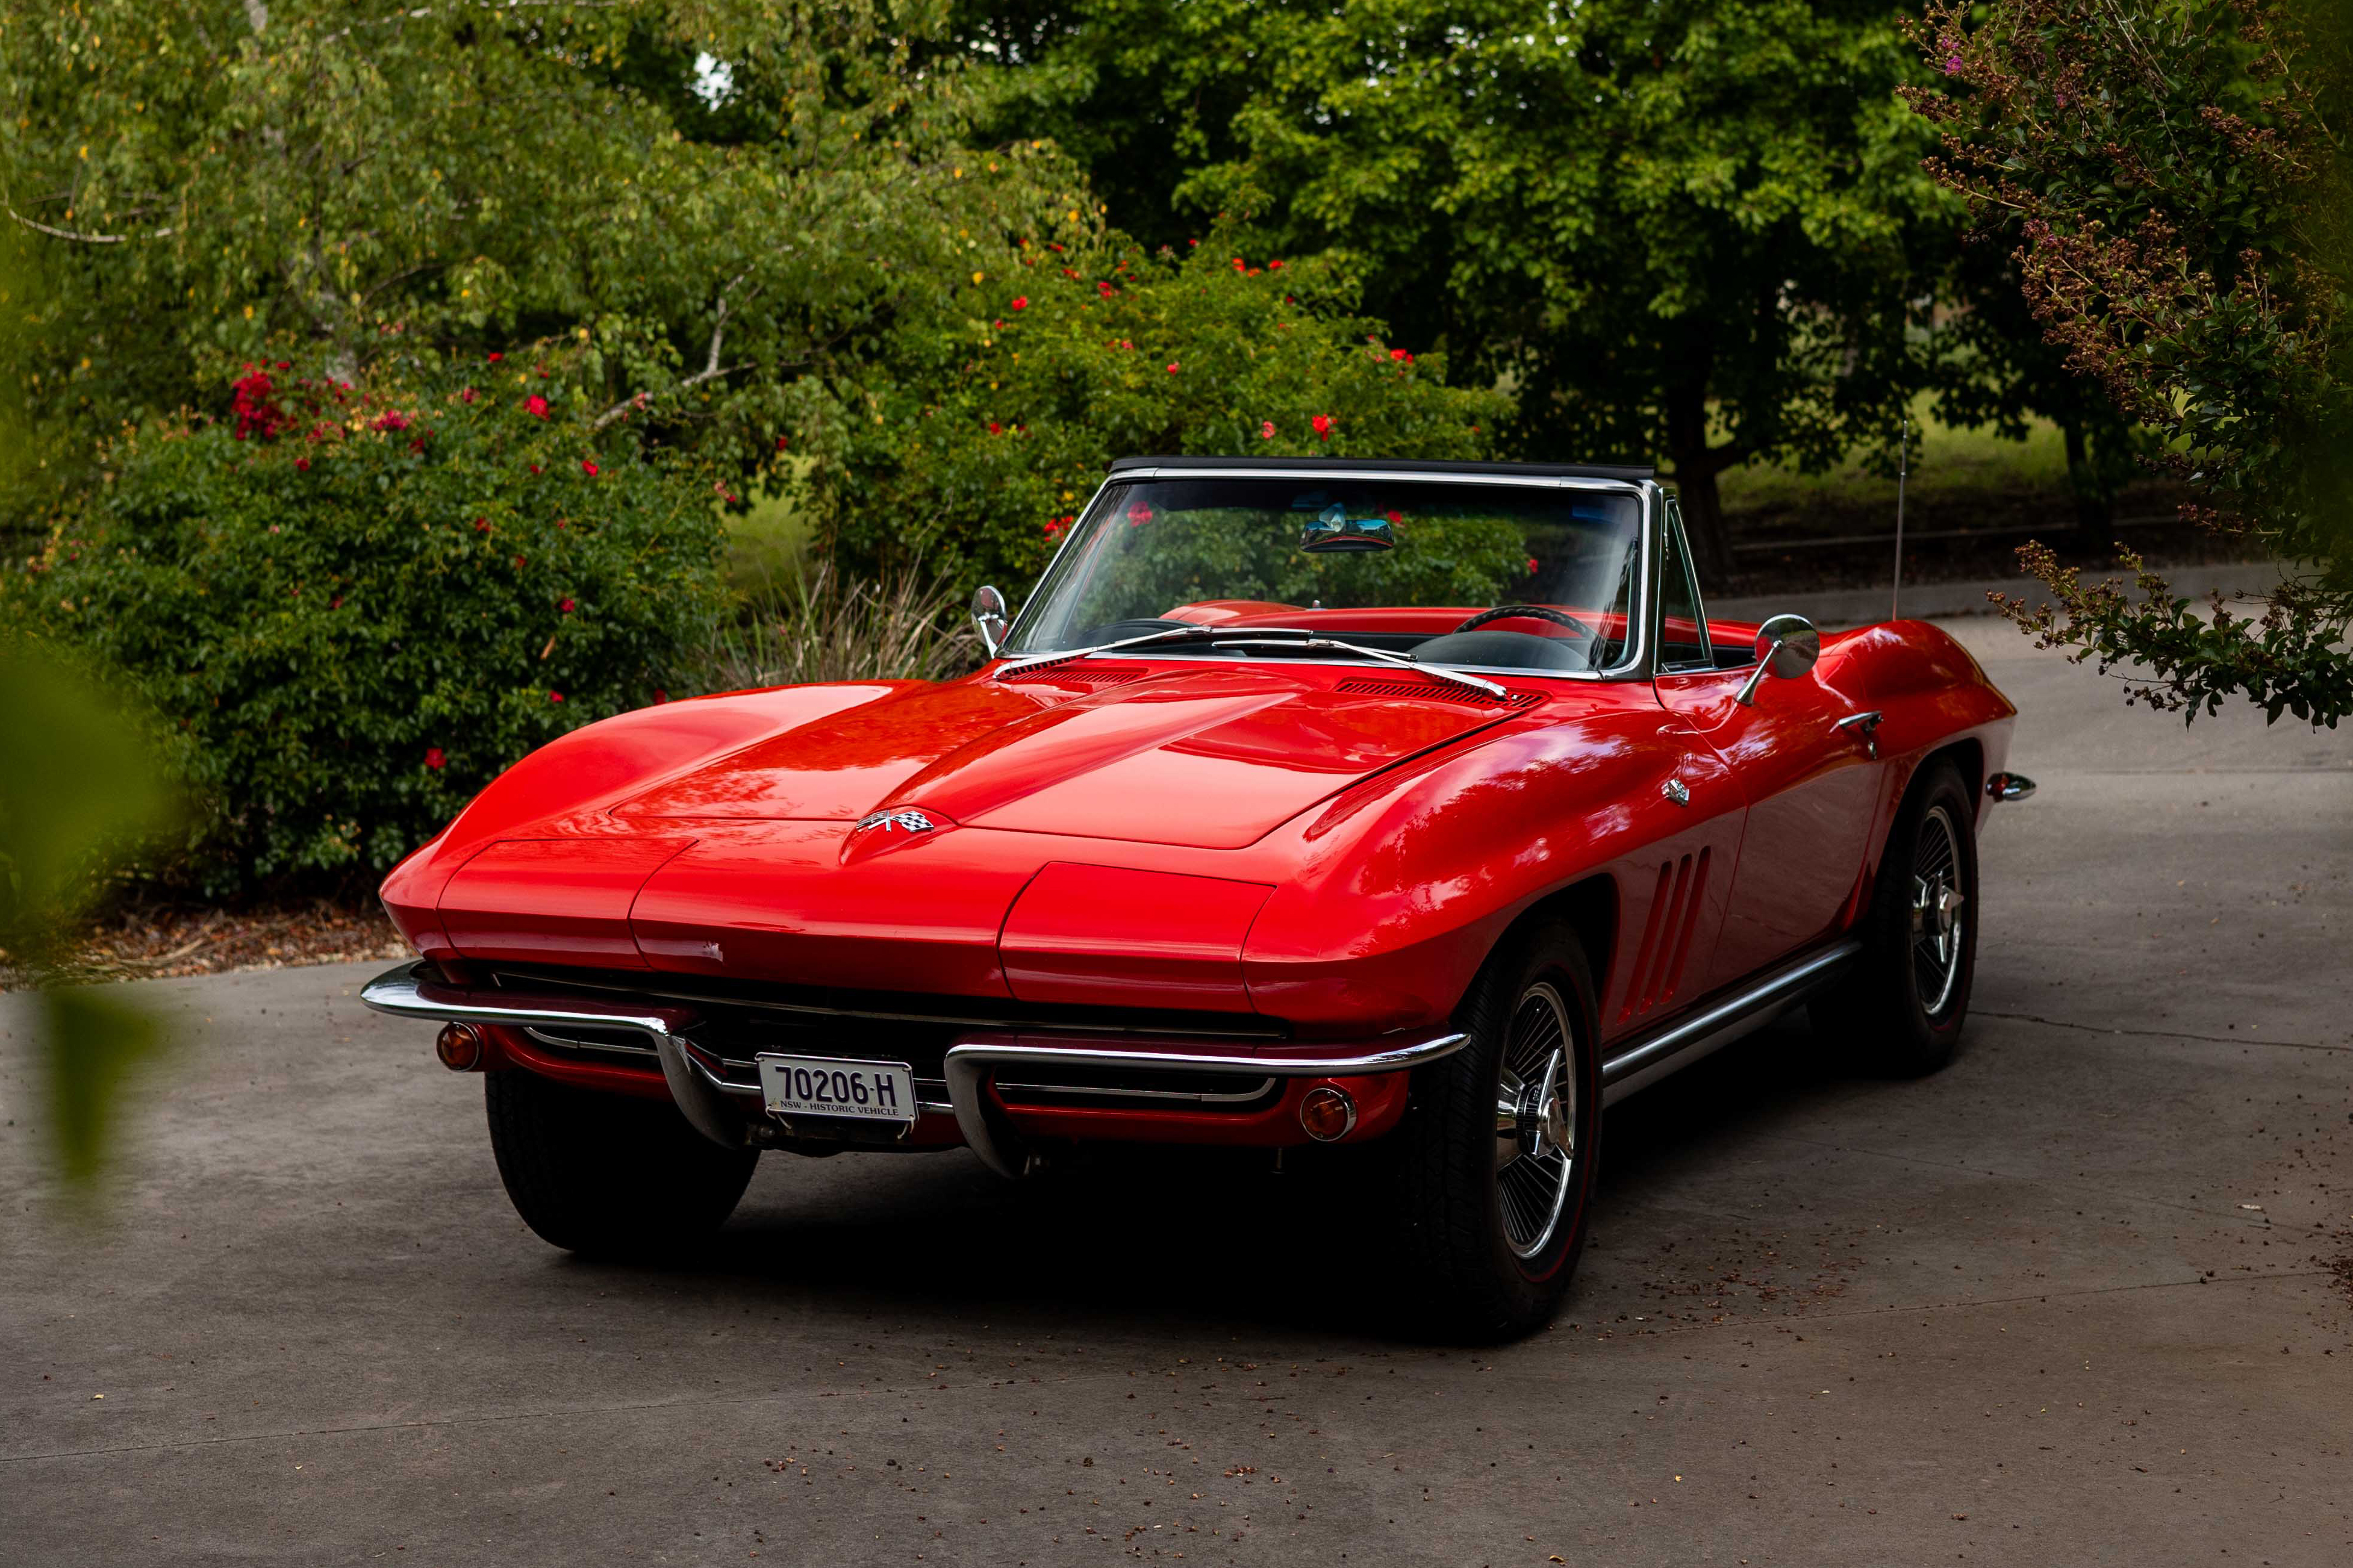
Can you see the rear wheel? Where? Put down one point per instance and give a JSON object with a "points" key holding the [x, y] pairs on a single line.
{"points": [[1901, 1009], [608, 1174], [1497, 1154]]}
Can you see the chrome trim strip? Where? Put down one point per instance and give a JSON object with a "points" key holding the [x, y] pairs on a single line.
{"points": [[1681, 1044], [412, 992], [1238, 1097], [970, 1061]]}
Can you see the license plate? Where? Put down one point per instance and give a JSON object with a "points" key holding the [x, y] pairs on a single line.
{"points": [[820, 1086]]}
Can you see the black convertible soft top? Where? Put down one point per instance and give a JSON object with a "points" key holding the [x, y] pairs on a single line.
{"points": [[1399, 465]]}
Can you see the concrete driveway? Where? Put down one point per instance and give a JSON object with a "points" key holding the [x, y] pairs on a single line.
{"points": [[2070, 1301]]}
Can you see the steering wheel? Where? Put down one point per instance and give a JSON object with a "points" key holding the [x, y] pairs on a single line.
{"points": [[1535, 612]]}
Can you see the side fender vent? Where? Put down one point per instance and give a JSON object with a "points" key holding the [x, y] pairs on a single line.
{"points": [[1666, 936]]}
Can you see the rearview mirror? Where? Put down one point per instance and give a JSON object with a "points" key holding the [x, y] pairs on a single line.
{"points": [[1786, 646], [988, 618]]}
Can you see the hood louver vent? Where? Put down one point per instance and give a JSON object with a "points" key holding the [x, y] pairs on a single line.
{"points": [[1360, 686], [1076, 675]]}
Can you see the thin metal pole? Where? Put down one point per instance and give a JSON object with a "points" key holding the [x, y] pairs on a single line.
{"points": [[1902, 455]]}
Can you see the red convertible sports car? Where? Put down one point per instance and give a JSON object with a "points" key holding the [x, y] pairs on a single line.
{"points": [[1416, 809]]}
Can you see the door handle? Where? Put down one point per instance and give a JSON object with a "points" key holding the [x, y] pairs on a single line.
{"points": [[1868, 723]]}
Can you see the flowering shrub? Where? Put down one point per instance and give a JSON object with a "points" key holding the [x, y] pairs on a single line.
{"points": [[994, 430], [353, 609]]}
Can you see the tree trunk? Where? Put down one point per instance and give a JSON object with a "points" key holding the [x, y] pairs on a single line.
{"points": [[1696, 465], [2094, 507]]}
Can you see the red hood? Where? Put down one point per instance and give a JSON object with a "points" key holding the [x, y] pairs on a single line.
{"points": [[1213, 758]]}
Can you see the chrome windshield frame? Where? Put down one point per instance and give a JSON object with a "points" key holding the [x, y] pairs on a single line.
{"points": [[1641, 618]]}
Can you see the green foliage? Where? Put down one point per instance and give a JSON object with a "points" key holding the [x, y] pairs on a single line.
{"points": [[353, 609], [2173, 175], [214, 184], [993, 430], [1697, 227], [819, 626], [78, 791]]}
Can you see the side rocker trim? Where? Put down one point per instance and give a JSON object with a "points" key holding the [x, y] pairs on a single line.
{"points": [[1651, 1057]]}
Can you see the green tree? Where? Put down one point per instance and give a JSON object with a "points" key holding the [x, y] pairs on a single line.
{"points": [[1697, 228], [2171, 175], [718, 199]]}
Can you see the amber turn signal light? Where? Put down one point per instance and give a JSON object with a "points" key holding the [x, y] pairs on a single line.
{"points": [[461, 1047], [1327, 1114]]}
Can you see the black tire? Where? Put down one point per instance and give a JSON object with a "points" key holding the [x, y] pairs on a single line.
{"points": [[1476, 1264], [608, 1174], [1899, 1011]]}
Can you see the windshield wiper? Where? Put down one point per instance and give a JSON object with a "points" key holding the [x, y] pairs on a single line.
{"points": [[1311, 640], [1243, 637], [1172, 634]]}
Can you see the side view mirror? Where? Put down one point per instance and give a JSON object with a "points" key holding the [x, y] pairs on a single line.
{"points": [[1786, 646], [988, 618]]}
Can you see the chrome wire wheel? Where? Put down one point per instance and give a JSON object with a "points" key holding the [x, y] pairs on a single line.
{"points": [[1938, 913], [1535, 1119]]}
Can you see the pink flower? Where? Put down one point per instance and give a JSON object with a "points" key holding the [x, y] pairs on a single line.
{"points": [[1139, 514], [467, 395], [1952, 65], [1266, 429], [392, 419], [564, 605], [303, 465], [535, 405], [588, 467], [1021, 301], [1174, 367], [1323, 425], [556, 696], [434, 755]]}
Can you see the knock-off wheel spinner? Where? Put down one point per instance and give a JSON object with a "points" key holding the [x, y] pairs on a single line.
{"points": [[1535, 1119], [1939, 925]]}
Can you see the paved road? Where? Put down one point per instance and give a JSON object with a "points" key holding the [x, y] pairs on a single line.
{"points": [[2067, 1303]]}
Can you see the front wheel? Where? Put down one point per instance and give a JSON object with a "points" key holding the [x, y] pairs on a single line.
{"points": [[1901, 1008], [608, 1174], [1497, 1155]]}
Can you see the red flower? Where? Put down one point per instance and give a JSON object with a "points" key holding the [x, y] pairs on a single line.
{"points": [[467, 395], [1106, 289], [303, 465], [1053, 528], [556, 696], [534, 468], [1532, 565], [1021, 301], [1322, 423], [496, 357], [1393, 517], [564, 605], [588, 467], [1139, 514], [519, 562], [336, 603], [782, 443], [1274, 266], [434, 755], [1174, 367], [1192, 243], [994, 428], [1266, 429], [481, 525], [535, 405], [660, 695], [286, 364], [1237, 265], [1401, 356]]}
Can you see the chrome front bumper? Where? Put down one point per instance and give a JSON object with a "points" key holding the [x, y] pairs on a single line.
{"points": [[413, 991]]}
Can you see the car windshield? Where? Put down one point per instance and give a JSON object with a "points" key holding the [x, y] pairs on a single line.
{"points": [[1504, 576]]}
